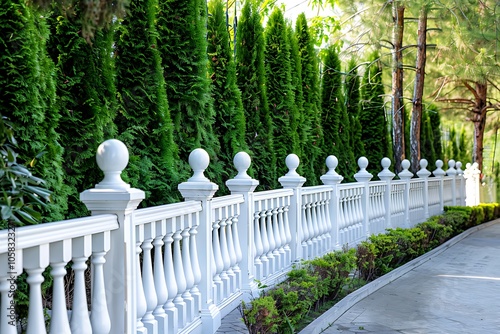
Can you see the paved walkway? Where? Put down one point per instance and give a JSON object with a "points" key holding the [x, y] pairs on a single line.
{"points": [[453, 289]]}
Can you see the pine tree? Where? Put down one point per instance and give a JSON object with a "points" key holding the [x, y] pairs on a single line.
{"points": [[229, 115], [372, 117], [280, 93], [87, 100], [143, 121], [353, 103], [27, 98], [335, 119], [311, 134], [252, 83], [182, 42]]}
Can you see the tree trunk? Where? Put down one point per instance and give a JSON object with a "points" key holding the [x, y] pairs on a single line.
{"points": [[479, 120], [397, 87], [416, 115]]}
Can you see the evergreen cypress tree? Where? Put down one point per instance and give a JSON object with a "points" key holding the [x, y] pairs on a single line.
{"points": [[251, 78], [143, 121], [336, 121], [229, 115], [312, 159], [27, 98], [435, 121], [182, 42], [280, 93], [353, 103], [87, 101], [427, 138], [372, 117]]}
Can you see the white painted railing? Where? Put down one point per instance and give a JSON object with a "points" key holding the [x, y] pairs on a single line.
{"points": [[179, 268]]}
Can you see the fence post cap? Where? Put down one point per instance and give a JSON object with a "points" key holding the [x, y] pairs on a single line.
{"points": [[331, 176], [362, 175], [112, 158], [385, 174], [405, 174]]}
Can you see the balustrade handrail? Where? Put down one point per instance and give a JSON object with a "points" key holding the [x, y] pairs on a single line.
{"points": [[166, 211]]}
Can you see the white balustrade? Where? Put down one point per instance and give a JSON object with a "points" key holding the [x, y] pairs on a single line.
{"points": [[181, 267]]}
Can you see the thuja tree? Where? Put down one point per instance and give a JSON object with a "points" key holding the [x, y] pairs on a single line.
{"points": [[143, 120], [86, 100], [27, 98], [280, 93], [312, 159], [372, 116], [335, 120], [427, 138], [251, 79], [435, 121], [229, 115], [182, 42], [353, 104]]}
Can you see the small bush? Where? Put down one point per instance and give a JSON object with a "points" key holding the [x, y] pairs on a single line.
{"points": [[261, 317]]}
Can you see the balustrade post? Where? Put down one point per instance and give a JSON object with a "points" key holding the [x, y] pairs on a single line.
{"points": [[451, 171], [332, 179], [406, 176], [292, 180], [424, 174], [199, 188], [243, 184], [472, 182], [440, 173], [387, 176], [113, 196], [460, 176], [363, 176]]}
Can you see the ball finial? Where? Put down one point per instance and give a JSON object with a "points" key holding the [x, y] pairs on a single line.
{"points": [[292, 162], [242, 163], [199, 160], [112, 158]]}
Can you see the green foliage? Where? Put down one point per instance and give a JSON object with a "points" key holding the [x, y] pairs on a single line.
{"points": [[229, 115], [143, 120], [353, 103], [427, 150], [373, 121], [335, 120], [262, 316], [182, 42], [86, 100], [251, 78], [280, 94], [310, 130], [435, 122], [28, 98]]}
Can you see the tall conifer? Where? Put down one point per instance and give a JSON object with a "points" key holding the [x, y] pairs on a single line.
{"points": [[312, 159], [251, 78], [229, 115], [27, 98], [374, 130], [143, 120], [353, 103], [427, 138], [280, 93], [87, 101], [435, 120], [182, 42]]}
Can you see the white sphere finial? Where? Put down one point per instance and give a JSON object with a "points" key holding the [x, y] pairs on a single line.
{"points": [[292, 162], [424, 163], [242, 163], [439, 163], [362, 163], [362, 175], [112, 158], [405, 174], [405, 164], [332, 162], [199, 160]]}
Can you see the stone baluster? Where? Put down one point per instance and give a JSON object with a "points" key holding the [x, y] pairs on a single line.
{"points": [[406, 176], [60, 255], [159, 277], [270, 237], [280, 203], [243, 184], [451, 171], [333, 179], [151, 298], [171, 281], [35, 260], [266, 260], [224, 253], [199, 188], [460, 176], [80, 321], [233, 261], [306, 216], [193, 250], [259, 248], [387, 176], [180, 278], [363, 176], [188, 272], [440, 173], [141, 298], [273, 221], [217, 258], [9, 271], [286, 223], [293, 180], [113, 196], [99, 316], [424, 174]]}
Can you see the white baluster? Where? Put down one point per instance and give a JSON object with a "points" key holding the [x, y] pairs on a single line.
{"points": [[168, 263], [36, 259], [148, 319], [258, 247], [281, 230], [80, 321], [288, 233], [180, 277], [226, 261], [8, 321], [60, 255], [231, 249], [237, 250], [99, 317], [159, 278], [142, 306], [314, 226], [305, 230], [219, 264], [195, 291], [276, 235], [265, 241], [271, 239], [188, 274]]}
